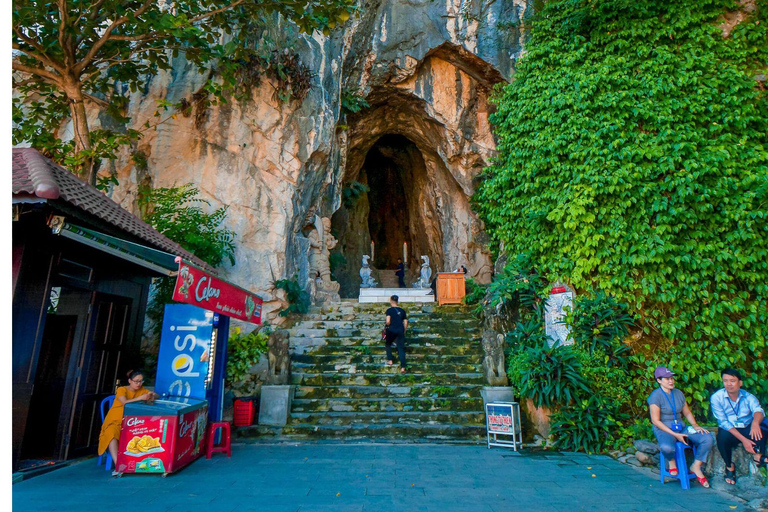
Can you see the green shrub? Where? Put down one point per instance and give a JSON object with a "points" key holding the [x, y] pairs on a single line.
{"points": [[550, 376], [243, 351], [475, 292], [588, 425], [352, 192], [633, 158], [298, 299]]}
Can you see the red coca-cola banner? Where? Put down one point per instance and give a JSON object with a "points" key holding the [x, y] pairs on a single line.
{"points": [[197, 287]]}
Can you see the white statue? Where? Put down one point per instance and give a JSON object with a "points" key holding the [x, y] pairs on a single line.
{"points": [[424, 274], [365, 274]]}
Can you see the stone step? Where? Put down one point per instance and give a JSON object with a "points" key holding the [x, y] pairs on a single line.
{"points": [[410, 349], [378, 323], [422, 404], [377, 391], [357, 357], [380, 309], [374, 379], [381, 368], [405, 295], [474, 434], [391, 418], [457, 330]]}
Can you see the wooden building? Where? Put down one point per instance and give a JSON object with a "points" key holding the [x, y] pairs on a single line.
{"points": [[82, 267]]}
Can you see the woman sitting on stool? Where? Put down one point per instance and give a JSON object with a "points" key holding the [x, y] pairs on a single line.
{"points": [[667, 406]]}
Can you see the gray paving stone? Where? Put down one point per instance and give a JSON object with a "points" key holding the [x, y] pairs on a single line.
{"points": [[373, 477]]}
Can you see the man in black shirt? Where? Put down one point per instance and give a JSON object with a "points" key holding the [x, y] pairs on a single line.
{"points": [[397, 324], [400, 273]]}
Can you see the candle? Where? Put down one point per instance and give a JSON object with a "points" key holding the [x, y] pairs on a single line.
{"points": [[371, 251], [405, 253]]}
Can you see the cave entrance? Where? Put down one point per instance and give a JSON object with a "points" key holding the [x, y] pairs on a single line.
{"points": [[387, 202], [388, 215]]}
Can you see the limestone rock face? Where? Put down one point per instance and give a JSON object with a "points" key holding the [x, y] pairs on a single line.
{"points": [[424, 68]]}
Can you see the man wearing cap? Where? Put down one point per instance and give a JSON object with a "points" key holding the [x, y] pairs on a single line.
{"points": [[739, 417], [667, 407]]}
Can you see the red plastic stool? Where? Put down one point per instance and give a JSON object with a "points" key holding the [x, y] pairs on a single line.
{"points": [[224, 446]]}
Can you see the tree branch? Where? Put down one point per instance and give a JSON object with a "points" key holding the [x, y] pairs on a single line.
{"points": [[107, 36], [98, 101], [34, 71], [39, 53]]}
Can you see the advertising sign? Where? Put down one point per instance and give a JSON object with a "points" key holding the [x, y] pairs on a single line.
{"points": [[146, 444], [499, 418], [190, 438], [185, 351], [198, 288], [503, 425]]}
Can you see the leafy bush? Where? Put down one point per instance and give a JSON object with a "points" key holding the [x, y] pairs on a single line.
{"points": [[177, 213], [352, 101], [633, 157], [352, 192], [550, 376], [243, 351], [298, 299], [475, 292], [602, 323], [587, 425]]}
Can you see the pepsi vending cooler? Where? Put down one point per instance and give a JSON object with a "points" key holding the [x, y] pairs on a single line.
{"points": [[162, 437]]}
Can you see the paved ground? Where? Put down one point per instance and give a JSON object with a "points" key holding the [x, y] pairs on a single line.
{"points": [[339, 477]]}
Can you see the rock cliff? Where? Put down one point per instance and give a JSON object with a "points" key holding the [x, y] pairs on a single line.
{"points": [[425, 70]]}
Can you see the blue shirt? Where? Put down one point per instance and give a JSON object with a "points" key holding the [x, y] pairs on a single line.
{"points": [[728, 413]]}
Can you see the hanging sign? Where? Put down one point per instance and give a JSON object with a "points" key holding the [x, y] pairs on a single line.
{"points": [[197, 287]]}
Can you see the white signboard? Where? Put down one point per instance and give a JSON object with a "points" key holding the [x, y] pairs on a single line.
{"points": [[554, 318]]}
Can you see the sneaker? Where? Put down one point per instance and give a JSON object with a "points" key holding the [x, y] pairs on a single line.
{"points": [[115, 473]]}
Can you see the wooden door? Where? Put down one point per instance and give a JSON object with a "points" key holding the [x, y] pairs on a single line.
{"points": [[99, 365]]}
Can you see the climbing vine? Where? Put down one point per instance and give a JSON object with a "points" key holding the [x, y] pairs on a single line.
{"points": [[633, 159]]}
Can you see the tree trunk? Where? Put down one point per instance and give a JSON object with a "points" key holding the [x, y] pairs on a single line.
{"points": [[82, 134]]}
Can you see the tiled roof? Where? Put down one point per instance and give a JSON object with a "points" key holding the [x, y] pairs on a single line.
{"points": [[35, 175]]}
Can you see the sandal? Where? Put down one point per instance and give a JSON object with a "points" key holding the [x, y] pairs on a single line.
{"points": [[730, 474], [703, 481], [390, 363], [673, 471], [762, 461], [402, 370]]}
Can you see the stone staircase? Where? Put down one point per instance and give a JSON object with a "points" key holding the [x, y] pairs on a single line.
{"points": [[345, 391], [386, 278]]}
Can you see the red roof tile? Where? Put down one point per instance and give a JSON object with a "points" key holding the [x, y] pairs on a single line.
{"points": [[35, 175]]}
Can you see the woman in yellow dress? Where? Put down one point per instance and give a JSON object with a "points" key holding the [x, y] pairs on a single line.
{"points": [[113, 421]]}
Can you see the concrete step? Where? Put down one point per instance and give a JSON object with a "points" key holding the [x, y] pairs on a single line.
{"points": [[391, 418], [375, 379], [474, 434], [435, 349], [379, 391], [379, 321], [388, 404], [380, 368], [357, 357]]}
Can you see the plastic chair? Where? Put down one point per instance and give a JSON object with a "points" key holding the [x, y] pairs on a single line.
{"points": [[682, 466], [104, 410], [224, 445]]}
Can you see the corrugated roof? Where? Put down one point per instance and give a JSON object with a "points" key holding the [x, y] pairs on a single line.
{"points": [[36, 175]]}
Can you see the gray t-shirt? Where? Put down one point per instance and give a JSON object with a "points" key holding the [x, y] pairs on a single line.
{"points": [[664, 401]]}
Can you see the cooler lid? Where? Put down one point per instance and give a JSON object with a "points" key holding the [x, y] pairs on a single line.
{"points": [[168, 406]]}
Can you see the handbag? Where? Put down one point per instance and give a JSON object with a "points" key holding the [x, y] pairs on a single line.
{"points": [[384, 334]]}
